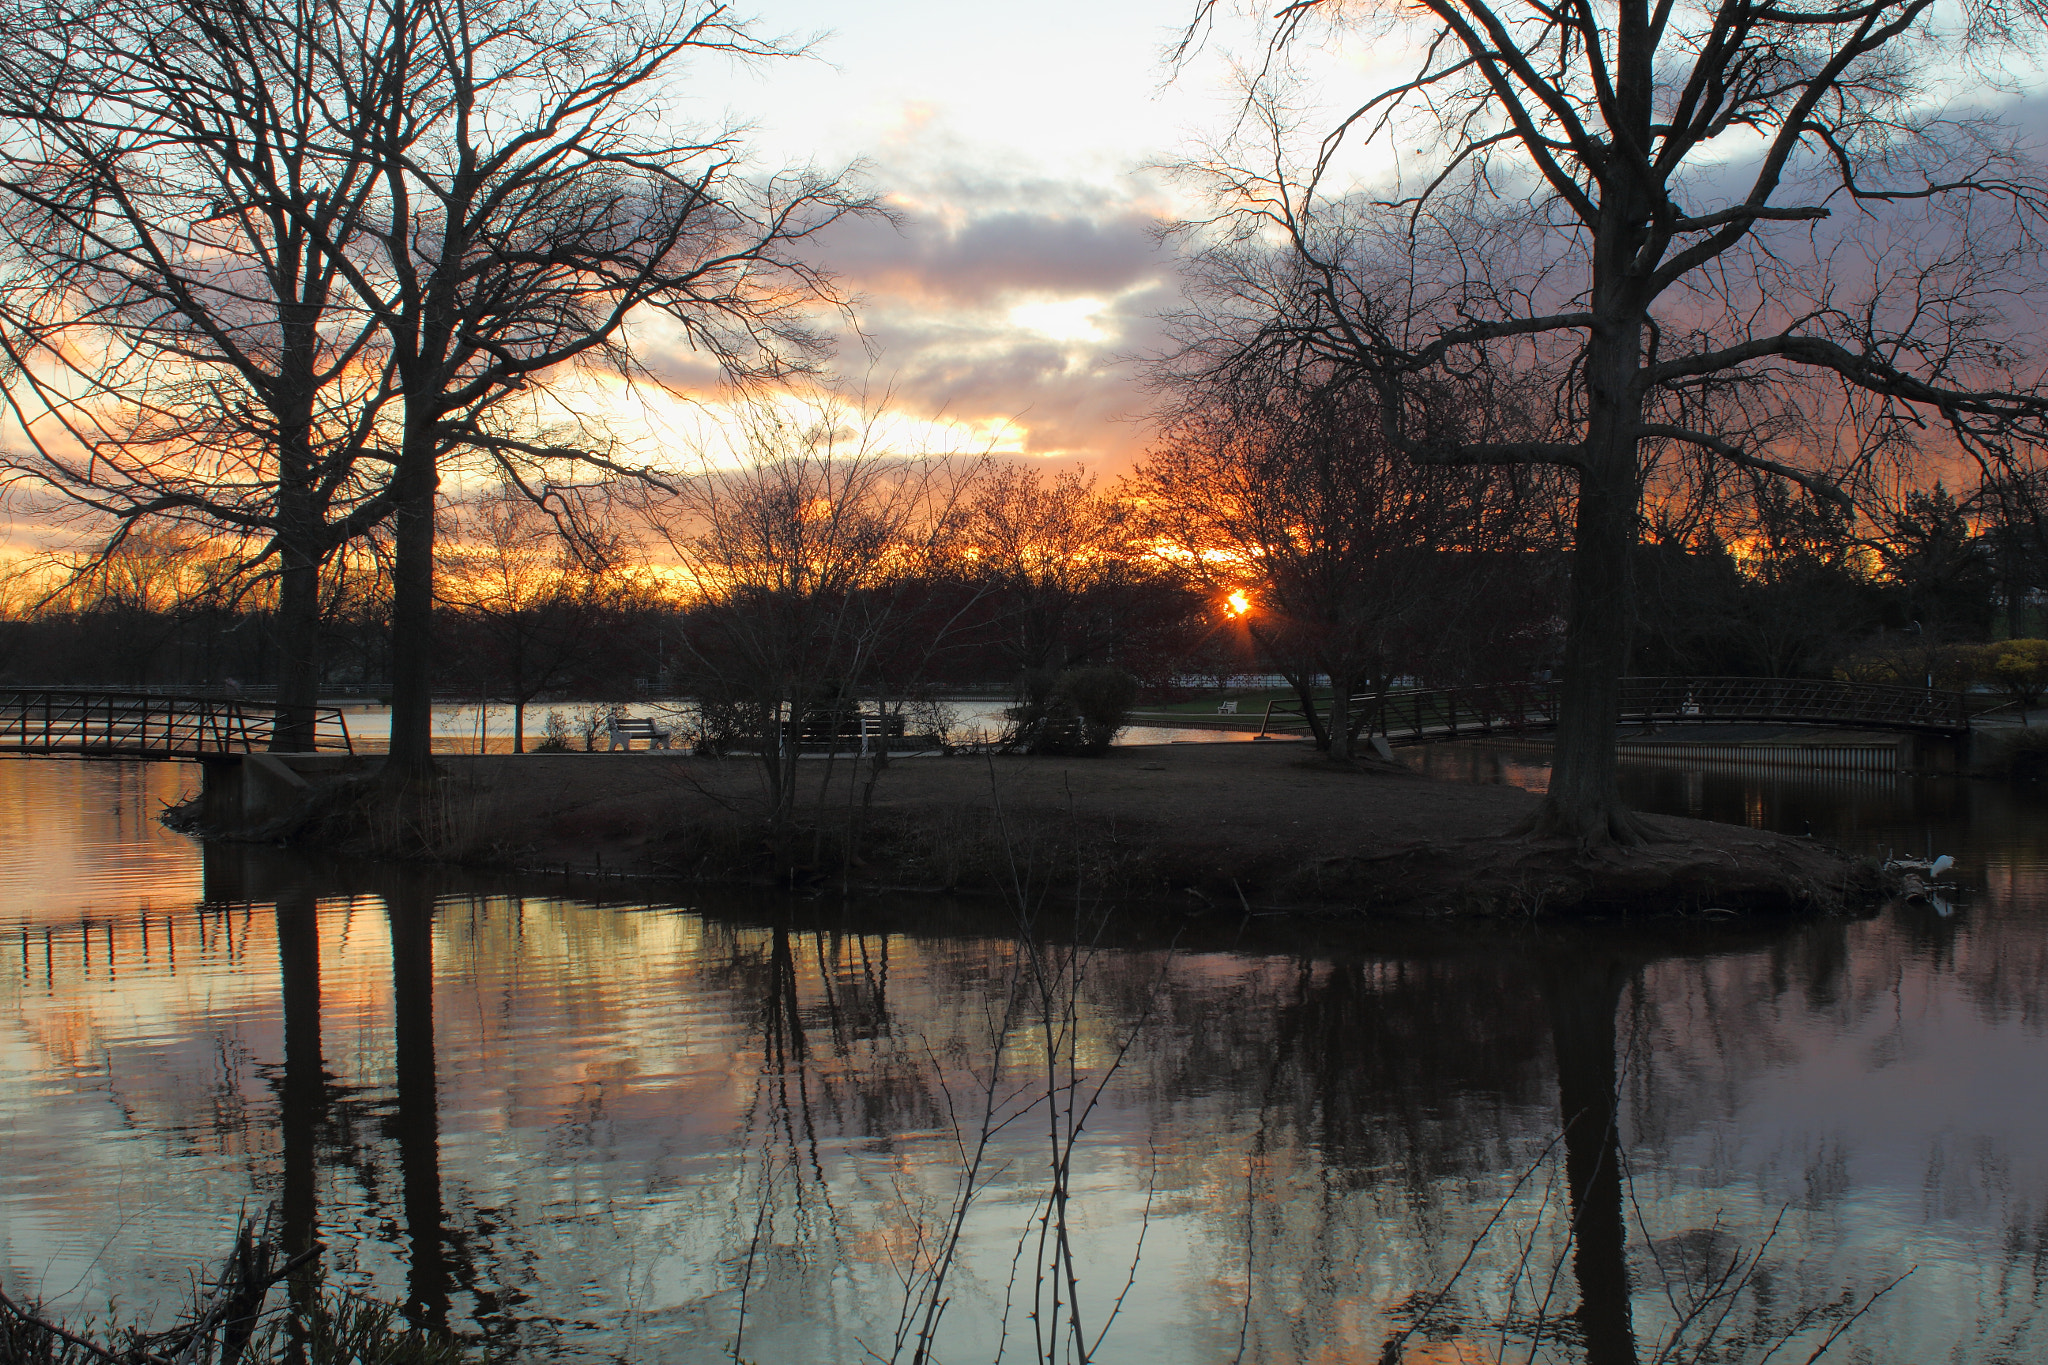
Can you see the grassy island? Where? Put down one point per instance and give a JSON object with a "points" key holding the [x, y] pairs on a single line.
{"points": [[1258, 827]]}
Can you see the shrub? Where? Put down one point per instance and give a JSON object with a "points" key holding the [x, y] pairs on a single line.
{"points": [[1905, 662], [1078, 711], [593, 721], [556, 735], [930, 716], [726, 722], [2018, 668], [1101, 699]]}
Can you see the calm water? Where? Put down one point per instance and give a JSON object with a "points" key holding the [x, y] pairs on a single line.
{"points": [[751, 1127]]}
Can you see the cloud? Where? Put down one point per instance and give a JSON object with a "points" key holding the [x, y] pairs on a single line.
{"points": [[1011, 301], [1002, 302], [930, 255]]}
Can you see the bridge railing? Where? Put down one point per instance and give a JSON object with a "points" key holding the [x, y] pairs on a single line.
{"points": [[1806, 700], [1512, 708], [1437, 712], [148, 724]]}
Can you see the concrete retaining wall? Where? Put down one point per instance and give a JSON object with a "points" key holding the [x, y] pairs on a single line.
{"points": [[243, 791]]}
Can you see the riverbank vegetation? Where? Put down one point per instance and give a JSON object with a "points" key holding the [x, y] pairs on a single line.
{"points": [[262, 1305], [1033, 573]]}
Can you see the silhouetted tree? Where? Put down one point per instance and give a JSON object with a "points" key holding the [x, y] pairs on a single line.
{"points": [[534, 611], [174, 221], [533, 205], [1360, 563], [1571, 217], [1939, 571], [804, 565]]}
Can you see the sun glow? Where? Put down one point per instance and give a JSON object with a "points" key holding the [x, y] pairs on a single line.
{"points": [[1070, 319], [1237, 604]]}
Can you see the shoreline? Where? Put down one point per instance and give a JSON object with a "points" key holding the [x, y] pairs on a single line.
{"points": [[1250, 828]]}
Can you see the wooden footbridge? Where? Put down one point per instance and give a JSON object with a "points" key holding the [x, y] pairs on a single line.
{"points": [[95, 723], [1414, 717], [100, 723]]}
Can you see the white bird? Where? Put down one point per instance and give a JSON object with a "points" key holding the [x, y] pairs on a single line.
{"points": [[1930, 870]]}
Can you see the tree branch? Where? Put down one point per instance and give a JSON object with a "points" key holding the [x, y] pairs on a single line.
{"points": [[1736, 455]]}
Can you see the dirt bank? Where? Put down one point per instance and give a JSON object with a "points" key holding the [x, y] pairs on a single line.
{"points": [[1261, 825]]}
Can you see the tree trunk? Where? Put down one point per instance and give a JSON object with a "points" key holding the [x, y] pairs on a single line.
{"points": [[412, 617], [1339, 725], [1582, 992], [518, 726], [298, 654], [417, 1114], [1584, 801], [300, 555], [1302, 680], [781, 745]]}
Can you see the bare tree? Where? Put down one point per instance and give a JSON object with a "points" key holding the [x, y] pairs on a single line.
{"points": [[803, 564], [1047, 547], [1359, 562], [1637, 206], [534, 202], [172, 219], [539, 607]]}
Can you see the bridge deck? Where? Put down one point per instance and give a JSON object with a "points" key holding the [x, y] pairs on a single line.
{"points": [[94, 723], [1413, 717], [100, 723]]}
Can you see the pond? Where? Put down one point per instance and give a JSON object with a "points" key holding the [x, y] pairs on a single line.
{"points": [[733, 1126]]}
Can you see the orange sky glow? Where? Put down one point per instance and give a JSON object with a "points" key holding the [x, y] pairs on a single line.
{"points": [[1007, 305]]}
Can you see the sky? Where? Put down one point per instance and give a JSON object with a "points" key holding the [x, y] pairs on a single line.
{"points": [[1018, 148], [1021, 153]]}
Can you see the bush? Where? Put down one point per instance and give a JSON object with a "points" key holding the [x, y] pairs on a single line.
{"points": [[1101, 699], [593, 721], [1078, 711], [930, 716], [1903, 661], [555, 737], [726, 722], [2018, 668]]}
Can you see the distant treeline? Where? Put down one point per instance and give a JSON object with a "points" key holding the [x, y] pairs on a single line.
{"points": [[1032, 575]]}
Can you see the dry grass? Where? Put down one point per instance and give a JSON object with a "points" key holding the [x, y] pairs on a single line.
{"points": [[1226, 825]]}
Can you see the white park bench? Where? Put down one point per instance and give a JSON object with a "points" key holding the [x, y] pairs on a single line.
{"points": [[1228, 708], [623, 730]]}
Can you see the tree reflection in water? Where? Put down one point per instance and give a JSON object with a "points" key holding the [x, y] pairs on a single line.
{"points": [[1582, 988], [945, 1116], [896, 1159], [416, 1119], [808, 1130], [302, 1097]]}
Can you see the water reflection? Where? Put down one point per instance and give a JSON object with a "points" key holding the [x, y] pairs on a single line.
{"points": [[803, 1130], [1582, 987], [301, 1093], [415, 1118]]}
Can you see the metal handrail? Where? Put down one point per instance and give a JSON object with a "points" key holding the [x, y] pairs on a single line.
{"points": [[1491, 708], [125, 723]]}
